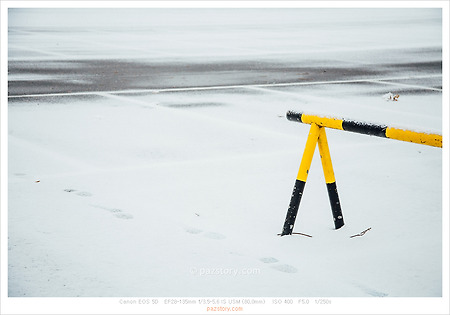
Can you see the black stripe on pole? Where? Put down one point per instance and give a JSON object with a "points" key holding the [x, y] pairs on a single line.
{"points": [[335, 205], [293, 207], [364, 128], [349, 125], [294, 116]]}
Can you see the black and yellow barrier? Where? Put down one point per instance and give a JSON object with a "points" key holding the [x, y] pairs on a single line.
{"points": [[317, 135], [434, 140]]}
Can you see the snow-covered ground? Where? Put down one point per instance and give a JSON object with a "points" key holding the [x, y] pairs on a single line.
{"points": [[180, 191]]}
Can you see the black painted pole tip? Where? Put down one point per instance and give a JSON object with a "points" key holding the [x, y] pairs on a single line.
{"points": [[294, 116]]}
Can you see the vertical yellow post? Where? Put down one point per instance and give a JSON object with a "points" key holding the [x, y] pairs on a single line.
{"points": [[325, 156], [330, 181], [308, 153], [300, 182]]}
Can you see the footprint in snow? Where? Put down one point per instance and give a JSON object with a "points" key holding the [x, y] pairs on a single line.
{"points": [[283, 268], [124, 216], [84, 194], [193, 231], [80, 193], [372, 292], [214, 236], [118, 213], [210, 235], [268, 260]]}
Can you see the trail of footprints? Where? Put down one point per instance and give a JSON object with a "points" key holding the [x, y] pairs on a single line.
{"points": [[271, 261], [79, 193], [266, 260], [275, 263], [118, 213]]}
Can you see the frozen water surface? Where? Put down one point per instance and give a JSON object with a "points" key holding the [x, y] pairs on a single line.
{"points": [[147, 145]]}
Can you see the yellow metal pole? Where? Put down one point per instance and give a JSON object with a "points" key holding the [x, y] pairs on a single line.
{"points": [[308, 153], [325, 156], [300, 182], [434, 140], [330, 180]]}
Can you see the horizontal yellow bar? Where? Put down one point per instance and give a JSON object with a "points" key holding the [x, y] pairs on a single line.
{"points": [[322, 121], [415, 137]]}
